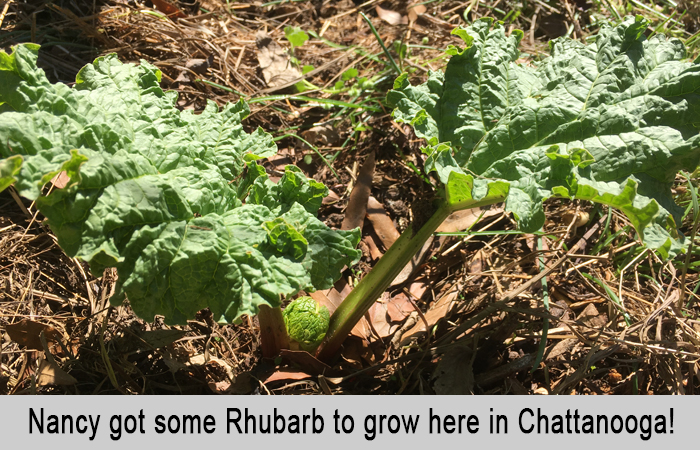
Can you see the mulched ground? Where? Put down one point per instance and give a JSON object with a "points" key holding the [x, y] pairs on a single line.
{"points": [[480, 297]]}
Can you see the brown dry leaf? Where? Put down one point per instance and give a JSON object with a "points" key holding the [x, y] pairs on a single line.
{"points": [[335, 296], [337, 293], [399, 307], [280, 160], [161, 338], [199, 65], [380, 321], [418, 288], [27, 333], [305, 361], [322, 299], [415, 10], [478, 263], [382, 223], [436, 312], [388, 312], [374, 251], [362, 328], [50, 374], [413, 265], [389, 16], [453, 374], [464, 219], [286, 376], [356, 351], [168, 9], [591, 317], [352, 352], [277, 70], [581, 217], [321, 136], [219, 387], [357, 204], [240, 386], [61, 180], [331, 198], [561, 348], [201, 359]]}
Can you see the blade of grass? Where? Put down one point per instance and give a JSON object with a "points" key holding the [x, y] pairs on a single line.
{"points": [[612, 9], [612, 295], [219, 86], [270, 98], [323, 101], [379, 39], [663, 24], [312, 147], [653, 11], [599, 246]]}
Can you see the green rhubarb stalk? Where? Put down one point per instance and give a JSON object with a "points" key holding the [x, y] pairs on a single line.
{"points": [[378, 280]]}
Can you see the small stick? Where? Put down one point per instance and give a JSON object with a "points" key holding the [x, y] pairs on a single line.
{"points": [[4, 12]]}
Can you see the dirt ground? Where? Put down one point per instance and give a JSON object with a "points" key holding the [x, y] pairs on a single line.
{"points": [[468, 317]]}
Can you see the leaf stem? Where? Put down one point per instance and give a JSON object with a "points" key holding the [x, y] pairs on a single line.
{"points": [[273, 333], [378, 280]]}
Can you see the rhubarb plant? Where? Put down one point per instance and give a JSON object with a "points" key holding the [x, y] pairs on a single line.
{"points": [[611, 122], [161, 194]]}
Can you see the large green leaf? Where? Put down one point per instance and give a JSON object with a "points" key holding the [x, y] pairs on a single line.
{"points": [[158, 193], [611, 122]]}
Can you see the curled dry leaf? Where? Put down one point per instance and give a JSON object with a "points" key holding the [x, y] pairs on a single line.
{"points": [[388, 313], [27, 333], [357, 205], [389, 16], [322, 299], [61, 180], [287, 376], [50, 374], [381, 222], [168, 9], [466, 218], [436, 312], [414, 11], [331, 198], [591, 317], [374, 251], [198, 66], [581, 218], [321, 136], [277, 69]]}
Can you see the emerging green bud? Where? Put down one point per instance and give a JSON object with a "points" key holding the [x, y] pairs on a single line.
{"points": [[306, 322]]}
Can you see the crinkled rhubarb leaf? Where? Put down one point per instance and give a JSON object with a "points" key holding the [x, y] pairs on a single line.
{"points": [[158, 193], [612, 122]]}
